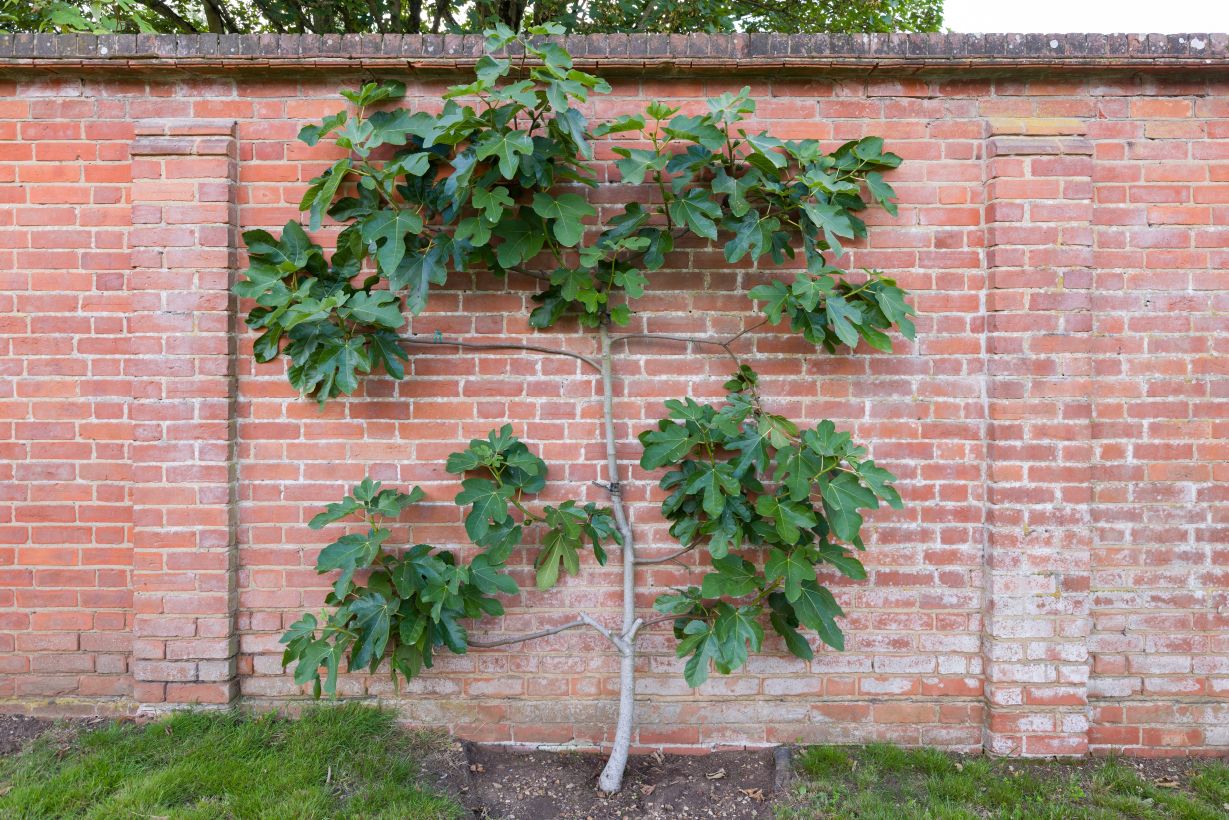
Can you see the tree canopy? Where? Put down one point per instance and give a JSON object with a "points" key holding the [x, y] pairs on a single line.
{"points": [[442, 16]]}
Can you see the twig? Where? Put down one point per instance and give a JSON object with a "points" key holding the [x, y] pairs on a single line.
{"points": [[503, 346]]}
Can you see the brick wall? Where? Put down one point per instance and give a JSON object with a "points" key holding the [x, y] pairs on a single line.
{"points": [[1058, 581]]}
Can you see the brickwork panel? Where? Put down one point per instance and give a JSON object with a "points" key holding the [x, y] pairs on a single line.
{"points": [[1079, 413]]}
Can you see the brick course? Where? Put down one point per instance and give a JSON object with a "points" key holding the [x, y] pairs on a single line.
{"points": [[1057, 582]]}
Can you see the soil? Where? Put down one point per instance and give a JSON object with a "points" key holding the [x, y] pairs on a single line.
{"points": [[516, 785], [18, 730]]}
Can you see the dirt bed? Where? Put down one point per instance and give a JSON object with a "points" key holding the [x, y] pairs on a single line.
{"points": [[511, 785], [18, 730]]}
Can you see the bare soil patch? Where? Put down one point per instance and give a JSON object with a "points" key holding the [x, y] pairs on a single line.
{"points": [[518, 785], [18, 730]]}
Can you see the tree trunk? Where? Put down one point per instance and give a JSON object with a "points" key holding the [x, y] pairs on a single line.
{"points": [[611, 779]]}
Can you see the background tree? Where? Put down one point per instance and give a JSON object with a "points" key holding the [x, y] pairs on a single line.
{"points": [[496, 181], [437, 16]]}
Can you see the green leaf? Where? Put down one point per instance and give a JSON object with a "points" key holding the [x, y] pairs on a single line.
{"points": [[310, 659], [324, 193], [501, 539], [356, 550], [775, 296], [797, 645], [334, 368], [637, 162], [735, 630], [487, 576], [666, 445], [311, 134], [335, 512], [752, 441], [811, 290], [715, 481], [488, 69], [522, 241], [632, 281], [388, 230], [878, 480], [824, 440], [379, 308], [507, 147], [843, 496], [697, 212], [752, 235], [376, 92], [891, 301], [558, 548], [305, 627], [452, 633], [817, 609], [566, 213], [766, 147], [388, 350], [881, 191], [571, 123], [621, 123], [793, 567], [789, 518], [734, 577], [372, 619], [390, 503], [832, 220], [489, 502], [492, 203], [736, 189], [845, 563], [843, 316], [796, 470], [418, 271]]}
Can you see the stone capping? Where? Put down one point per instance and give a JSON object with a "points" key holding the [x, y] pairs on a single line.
{"points": [[689, 52]]}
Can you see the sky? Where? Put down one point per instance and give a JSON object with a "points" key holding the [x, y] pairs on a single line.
{"points": [[1094, 16]]}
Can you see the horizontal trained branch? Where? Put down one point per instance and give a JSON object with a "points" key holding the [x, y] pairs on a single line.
{"points": [[583, 620], [504, 346]]}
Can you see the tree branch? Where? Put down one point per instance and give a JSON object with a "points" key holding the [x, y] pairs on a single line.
{"points": [[541, 633], [583, 620], [670, 557], [619, 643], [724, 344], [503, 346], [170, 14], [220, 19]]}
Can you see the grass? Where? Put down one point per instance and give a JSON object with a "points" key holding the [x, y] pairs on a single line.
{"points": [[345, 761], [883, 781]]}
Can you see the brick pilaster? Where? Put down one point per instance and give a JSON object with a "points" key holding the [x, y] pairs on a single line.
{"points": [[1038, 526], [183, 255]]}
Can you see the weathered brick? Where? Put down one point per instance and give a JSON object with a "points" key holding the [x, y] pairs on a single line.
{"points": [[1059, 424]]}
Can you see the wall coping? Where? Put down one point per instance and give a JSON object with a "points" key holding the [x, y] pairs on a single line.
{"points": [[684, 53]]}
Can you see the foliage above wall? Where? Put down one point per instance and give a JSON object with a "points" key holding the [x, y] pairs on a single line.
{"points": [[440, 16]]}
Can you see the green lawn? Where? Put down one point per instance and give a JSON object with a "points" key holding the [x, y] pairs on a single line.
{"points": [[882, 781], [353, 761], [345, 761]]}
